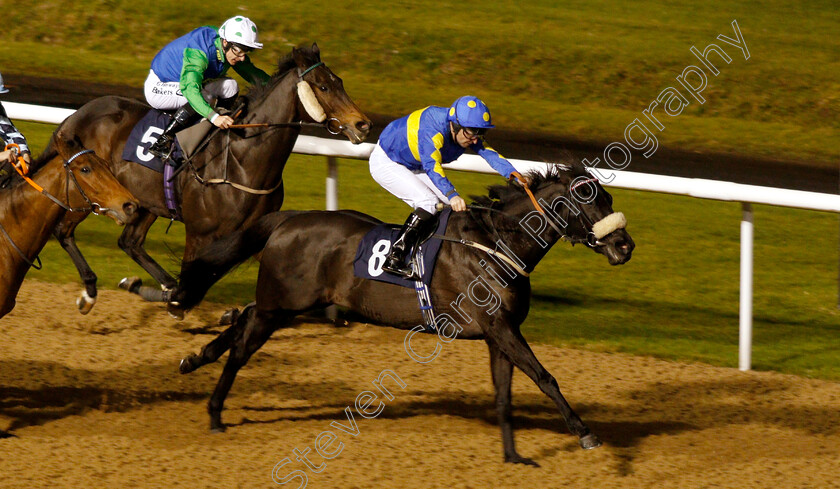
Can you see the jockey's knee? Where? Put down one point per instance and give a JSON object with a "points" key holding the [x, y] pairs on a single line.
{"points": [[428, 205], [222, 88]]}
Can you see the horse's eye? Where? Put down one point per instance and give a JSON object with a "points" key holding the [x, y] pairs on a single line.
{"points": [[85, 169], [323, 88]]}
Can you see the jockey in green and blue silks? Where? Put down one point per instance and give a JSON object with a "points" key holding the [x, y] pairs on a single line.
{"points": [[189, 72], [407, 161]]}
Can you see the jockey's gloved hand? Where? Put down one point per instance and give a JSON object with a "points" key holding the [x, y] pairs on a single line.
{"points": [[523, 181]]}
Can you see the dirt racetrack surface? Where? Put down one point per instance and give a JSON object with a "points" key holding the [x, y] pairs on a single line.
{"points": [[97, 401]]}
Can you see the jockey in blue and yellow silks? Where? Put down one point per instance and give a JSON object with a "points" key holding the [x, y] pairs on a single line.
{"points": [[407, 161], [190, 71]]}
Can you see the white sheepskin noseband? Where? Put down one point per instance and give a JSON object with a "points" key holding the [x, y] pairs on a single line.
{"points": [[310, 103], [605, 226]]}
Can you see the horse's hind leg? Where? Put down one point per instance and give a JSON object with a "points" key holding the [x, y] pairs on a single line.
{"points": [[258, 326], [502, 370], [514, 346], [65, 234], [131, 241], [216, 348]]}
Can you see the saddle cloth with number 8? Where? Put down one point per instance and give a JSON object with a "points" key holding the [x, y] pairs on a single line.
{"points": [[375, 245]]}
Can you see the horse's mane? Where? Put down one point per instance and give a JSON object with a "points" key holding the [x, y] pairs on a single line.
{"points": [[47, 155], [500, 195], [287, 63]]}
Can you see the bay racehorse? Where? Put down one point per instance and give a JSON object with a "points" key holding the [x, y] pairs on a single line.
{"points": [[251, 157], [307, 262], [69, 180]]}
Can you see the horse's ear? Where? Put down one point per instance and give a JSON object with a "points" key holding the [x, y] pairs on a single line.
{"points": [[315, 51], [61, 142]]}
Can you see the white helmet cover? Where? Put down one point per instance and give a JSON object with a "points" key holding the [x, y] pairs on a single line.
{"points": [[240, 30]]}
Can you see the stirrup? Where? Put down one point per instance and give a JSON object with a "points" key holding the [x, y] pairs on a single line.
{"points": [[401, 270], [162, 148]]}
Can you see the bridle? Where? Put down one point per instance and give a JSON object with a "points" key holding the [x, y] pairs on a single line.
{"points": [[94, 207], [23, 171], [326, 124], [589, 240]]}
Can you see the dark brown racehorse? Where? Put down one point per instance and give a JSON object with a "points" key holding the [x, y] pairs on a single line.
{"points": [[307, 261], [79, 181], [250, 157]]}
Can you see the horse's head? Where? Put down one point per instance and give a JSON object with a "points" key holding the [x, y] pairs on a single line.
{"points": [[91, 183], [321, 94], [584, 209], [571, 205]]}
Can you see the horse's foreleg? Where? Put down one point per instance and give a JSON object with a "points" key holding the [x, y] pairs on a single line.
{"points": [[258, 327], [514, 346], [131, 241], [64, 232], [216, 348], [502, 370]]}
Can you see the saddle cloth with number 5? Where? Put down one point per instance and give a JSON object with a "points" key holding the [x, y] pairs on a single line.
{"points": [[144, 134], [375, 245]]}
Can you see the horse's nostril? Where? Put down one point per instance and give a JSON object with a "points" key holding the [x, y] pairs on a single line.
{"points": [[363, 126], [129, 208]]}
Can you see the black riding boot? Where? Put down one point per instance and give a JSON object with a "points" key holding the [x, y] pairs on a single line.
{"points": [[405, 243], [163, 146]]}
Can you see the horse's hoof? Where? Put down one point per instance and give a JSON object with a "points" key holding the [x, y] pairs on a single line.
{"points": [[174, 310], [517, 459], [229, 317], [6, 434], [85, 302], [188, 364], [131, 284], [220, 428], [590, 441]]}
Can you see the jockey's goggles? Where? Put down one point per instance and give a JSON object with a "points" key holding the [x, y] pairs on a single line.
{"points": [[239, 50], [475, 132]]}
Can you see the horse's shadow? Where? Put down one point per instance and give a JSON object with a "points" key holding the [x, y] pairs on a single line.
{"points": [[669, 409], [32, 407]]}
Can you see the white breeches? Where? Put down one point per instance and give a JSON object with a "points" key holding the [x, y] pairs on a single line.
{"points": [[167, 95], [415, 189]]}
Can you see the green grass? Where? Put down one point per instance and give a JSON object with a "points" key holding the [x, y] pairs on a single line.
{"points": [[676, 299], [584, 69]]}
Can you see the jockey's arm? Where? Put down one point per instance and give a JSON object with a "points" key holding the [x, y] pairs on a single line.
{"points": [[192, 80], [429, 146], [492, 157], [250, 72]]}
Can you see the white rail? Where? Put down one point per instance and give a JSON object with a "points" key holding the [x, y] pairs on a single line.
{"points": [[693, 187]]}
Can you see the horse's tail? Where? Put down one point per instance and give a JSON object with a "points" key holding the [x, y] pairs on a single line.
{"points": [[216, 259]]}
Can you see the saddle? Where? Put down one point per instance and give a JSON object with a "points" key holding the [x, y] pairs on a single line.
{"points": [[187, 142], [374, 247]]}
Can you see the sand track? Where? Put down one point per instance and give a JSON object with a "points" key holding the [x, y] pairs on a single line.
{"points": [[97, 401]]}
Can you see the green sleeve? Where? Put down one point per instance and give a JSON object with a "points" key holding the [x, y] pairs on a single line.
{"points": [[192, 79], [250, 72]]}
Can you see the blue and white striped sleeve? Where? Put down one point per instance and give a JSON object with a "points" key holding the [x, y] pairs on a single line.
{"points": [[10, 134]]}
